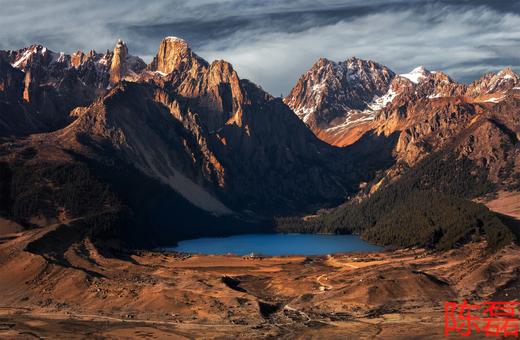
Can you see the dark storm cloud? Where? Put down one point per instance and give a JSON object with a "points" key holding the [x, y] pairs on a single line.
{"points": [[504, 6], [273, 41], [285, 20]]}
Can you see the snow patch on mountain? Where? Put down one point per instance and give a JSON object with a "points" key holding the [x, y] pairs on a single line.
{"points": [[305, 113], [494, 99], [351, 120], [22, 61], [162, 74], [173, 38], [380, 102]]}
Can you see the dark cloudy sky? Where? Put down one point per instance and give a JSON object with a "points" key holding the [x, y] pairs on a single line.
{"points": [[272, 42]]}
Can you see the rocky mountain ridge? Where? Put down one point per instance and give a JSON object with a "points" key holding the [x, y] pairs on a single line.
{"points": [[218, 143], [53, 84], [351, 120], [219, 149], [456, 145]]}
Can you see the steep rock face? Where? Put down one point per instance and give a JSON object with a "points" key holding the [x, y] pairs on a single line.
{"points": [[175, 54], [51, 88], [258, 165], [438, 110], [495, 144], [123, 65], [11, 82], [244, 148], [14, 113], [425, 125], [254, 135], [214, 88], [271, 154], [118, 65], [142, 131]]}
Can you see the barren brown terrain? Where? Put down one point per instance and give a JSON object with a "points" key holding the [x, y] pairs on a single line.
{"points": [[506, 203], [89, 291], [108, 158]]}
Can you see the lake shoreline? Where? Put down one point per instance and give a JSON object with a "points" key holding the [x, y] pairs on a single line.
{"points": [[275, 244], [395, 293]]}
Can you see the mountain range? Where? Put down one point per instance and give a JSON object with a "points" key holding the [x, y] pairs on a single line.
{"points": [[154, 153]]}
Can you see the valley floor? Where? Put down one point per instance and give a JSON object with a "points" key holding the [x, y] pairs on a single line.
{"points": [[506, 203], [88, 292]]}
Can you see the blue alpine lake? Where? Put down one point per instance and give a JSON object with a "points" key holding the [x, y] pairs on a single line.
{"points": [[275, 244]]}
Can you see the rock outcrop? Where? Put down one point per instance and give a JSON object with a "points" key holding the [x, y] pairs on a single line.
{"points": [[175, 54], [118, 64]]}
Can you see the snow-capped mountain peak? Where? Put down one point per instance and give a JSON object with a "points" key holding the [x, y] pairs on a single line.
{"points": [[25, 56], [507, 73], [336, 88], [417, 74], [491, 83], [333, 96]]}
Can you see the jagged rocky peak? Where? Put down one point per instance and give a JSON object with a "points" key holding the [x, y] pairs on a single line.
{"points": [[369, 70], [352, 70], [40, 56], [508, 73], [37, 53], [56, 83], [339, 101], [115, 65], [216, 87], [217, 73], [491, 83], [173, 53], [118, 64], [423, 83], [441, 76], [329, 92], [78, 58], [122, 64], [120, 51]]}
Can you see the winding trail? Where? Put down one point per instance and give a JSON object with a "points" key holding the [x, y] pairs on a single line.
{"points": [[336, 264], [322, 284]]}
